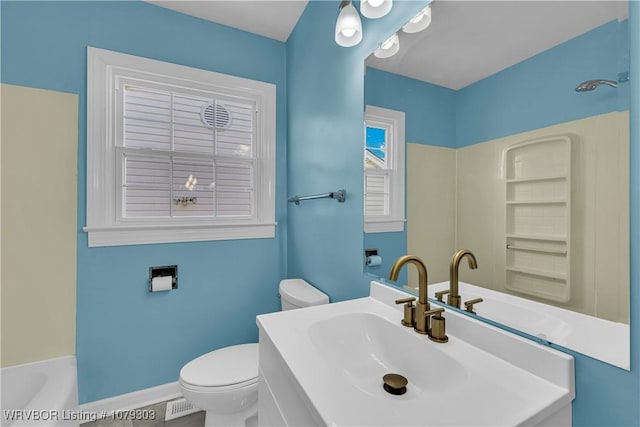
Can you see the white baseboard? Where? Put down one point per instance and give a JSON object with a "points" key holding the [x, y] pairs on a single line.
{"points": [[136, 399]]}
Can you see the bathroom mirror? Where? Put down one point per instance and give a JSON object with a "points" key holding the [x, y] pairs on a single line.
{"points": [[509, 153]]}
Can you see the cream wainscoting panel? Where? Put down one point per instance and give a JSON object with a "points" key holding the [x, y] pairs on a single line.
{"points": [[431, 199], [39, 142]]}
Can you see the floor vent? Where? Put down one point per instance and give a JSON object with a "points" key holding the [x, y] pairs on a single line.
{"points": [[179, 408]]}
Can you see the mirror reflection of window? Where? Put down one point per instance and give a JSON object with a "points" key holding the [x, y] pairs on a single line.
{"points": [[375, 148], [384, 170]]}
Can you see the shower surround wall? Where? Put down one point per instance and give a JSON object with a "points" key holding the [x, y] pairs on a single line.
{"points": [[42, 303], [127, 338], [599, 220]]}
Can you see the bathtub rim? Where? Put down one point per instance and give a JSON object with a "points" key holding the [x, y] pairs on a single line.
{"points": [[61, 373]]}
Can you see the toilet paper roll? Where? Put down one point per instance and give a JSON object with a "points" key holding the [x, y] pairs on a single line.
{"points": [[161, 283], [374, 260]]}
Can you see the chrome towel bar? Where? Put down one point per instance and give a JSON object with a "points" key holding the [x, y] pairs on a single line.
{"points": [[340, 196]]}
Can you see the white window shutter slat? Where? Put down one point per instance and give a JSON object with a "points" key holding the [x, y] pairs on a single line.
{"points": [[183, 123], [147, 203], [146, 192], [147, 172], [236, 138], [234, 189], [193, 139], [193, 179], [376, 194]]}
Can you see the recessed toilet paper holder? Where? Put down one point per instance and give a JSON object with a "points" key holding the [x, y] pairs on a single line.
{"points": [[167, 270]]}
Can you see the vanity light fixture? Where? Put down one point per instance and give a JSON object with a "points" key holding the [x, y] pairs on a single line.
{"points": [[348, 26], [375, 8], [388, 48], [419, 22]]}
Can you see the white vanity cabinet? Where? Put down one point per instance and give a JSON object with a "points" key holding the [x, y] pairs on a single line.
{"points": [[324, 366], [281, 401]]}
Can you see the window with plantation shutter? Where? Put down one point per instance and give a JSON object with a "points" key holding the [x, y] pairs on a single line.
{"points": [[383, 170], [176, 153]]}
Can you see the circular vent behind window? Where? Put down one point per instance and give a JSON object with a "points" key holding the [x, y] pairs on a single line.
{"points": [[215, 115]]}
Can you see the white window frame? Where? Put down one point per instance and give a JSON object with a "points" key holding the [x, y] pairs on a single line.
{"points": [[105, 225], [394, 121]]}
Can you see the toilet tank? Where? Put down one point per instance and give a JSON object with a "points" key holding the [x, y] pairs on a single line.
{"points": [[296, 293]]}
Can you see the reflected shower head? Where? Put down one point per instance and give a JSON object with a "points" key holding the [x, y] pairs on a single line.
{"points": [[590, 85]]}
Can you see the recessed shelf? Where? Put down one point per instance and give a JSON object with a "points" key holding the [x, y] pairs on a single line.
{"points": [[540, 273], [536, 179], [532, 249], [537, 202], [538, 237]]}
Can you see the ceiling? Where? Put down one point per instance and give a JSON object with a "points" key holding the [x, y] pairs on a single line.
{"points": [[274, 19], [466, 42], [470, 40]]}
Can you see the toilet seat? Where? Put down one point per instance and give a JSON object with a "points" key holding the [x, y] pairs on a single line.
{"points": [[216, 389], [228, 368]]}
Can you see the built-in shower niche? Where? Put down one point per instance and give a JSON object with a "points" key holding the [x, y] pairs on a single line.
{"points": [[538, 218]]}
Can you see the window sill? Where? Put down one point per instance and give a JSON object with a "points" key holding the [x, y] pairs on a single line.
{"points": [[384, 225], [141, 235]]}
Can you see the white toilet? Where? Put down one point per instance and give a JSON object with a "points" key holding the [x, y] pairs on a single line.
{"points": [[224, 382]]}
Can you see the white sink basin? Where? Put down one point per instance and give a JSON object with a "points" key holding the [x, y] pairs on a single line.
{"points": [[363, 347], [323, 365]]}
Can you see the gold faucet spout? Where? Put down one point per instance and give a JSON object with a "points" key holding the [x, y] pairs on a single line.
{"points": [[453, 298], [422, 274], [422, 322]]}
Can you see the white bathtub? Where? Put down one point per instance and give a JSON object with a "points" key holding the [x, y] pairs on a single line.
{"points": [[40, 394], [598, 338]]}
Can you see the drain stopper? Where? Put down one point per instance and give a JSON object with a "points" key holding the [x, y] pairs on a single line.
{"points": [[395, 384]]}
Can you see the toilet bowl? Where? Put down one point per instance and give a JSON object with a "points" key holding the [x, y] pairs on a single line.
{"points": [[224, 382]]}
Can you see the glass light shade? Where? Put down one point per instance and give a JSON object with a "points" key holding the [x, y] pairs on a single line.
{"points": [[348, 27], [419, 22], [390, 47], [375, 8]]}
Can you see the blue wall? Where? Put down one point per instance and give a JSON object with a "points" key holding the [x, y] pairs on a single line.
{"points": [[540, 91], [430, 110], [430, 114], [532, 94], [325, 99], [604, 395], [128, 339], [390, 246]]}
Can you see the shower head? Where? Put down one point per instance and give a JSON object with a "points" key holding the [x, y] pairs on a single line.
{"points": [[590, 85]]}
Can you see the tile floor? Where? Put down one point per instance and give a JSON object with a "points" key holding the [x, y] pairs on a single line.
{"points": [[192, 420]]}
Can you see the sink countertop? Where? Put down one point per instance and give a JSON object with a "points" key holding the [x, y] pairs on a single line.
{"points": [[505, 379]]}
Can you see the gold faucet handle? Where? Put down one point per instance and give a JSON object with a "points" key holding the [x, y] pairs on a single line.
{"points": [[468, 305], [409, 311], [435, 312], [406, 300], [437, 332], [440, 294]]}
